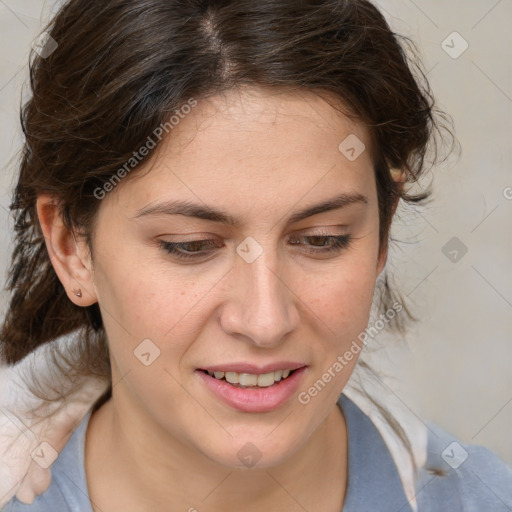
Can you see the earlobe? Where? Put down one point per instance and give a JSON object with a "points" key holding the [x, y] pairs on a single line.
{"points": [[70, 259]]}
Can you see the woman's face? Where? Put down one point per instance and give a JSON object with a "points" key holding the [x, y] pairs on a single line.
{"points": [[268, 291]]}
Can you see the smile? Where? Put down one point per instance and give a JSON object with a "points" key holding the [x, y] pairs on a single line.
{"points": [[245, 380], [252, 392]]}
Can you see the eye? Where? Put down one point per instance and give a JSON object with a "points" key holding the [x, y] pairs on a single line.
{"points": [[195, 249], [326, 243], [187, 250]]}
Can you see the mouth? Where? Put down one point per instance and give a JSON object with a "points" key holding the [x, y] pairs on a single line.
{"points": [[253, 392], [251, 380]]}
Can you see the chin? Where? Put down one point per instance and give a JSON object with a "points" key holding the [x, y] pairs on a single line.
{"points": [[253, 452]]}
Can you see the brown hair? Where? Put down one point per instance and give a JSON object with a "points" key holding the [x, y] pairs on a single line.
{"points": [[123, 67]]}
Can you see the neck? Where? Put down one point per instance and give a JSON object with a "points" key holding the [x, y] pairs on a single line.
{"points": [[134, 466]]}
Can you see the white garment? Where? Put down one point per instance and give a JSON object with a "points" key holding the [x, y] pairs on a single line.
{"points": [[23, 431]]}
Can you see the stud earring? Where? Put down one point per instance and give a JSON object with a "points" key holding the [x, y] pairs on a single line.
{"points": [[78, 293]]}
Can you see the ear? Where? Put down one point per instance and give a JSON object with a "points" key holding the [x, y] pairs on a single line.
{"points": [[70, 258], [399, 177]]}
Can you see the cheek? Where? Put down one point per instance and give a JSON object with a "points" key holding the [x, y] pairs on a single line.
{"points": [[139, 292], [342, 297], [151, 320], [341, 306], [148, 303]]}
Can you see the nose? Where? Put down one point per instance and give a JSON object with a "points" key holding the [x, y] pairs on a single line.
{"points": [[262, 307]]}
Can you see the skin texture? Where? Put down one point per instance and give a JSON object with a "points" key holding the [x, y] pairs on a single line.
{"points": [[164, 442]]}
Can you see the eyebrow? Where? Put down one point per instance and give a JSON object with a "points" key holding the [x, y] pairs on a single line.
{"points": [[180, 207]]}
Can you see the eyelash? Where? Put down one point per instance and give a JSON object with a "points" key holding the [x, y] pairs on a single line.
{"points": [[339, 243]]}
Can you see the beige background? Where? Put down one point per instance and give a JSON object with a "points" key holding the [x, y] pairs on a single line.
{"points": [[455, 368]]}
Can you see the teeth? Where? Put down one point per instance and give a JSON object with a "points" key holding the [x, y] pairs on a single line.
{"points": [[232, 377], [265, 380], [246, 379], [250, 380]]}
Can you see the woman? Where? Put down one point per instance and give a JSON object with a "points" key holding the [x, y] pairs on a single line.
{"points": [[204, 201]]}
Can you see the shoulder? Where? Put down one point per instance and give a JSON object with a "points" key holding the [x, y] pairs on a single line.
{"points": [[448, 474], [68, 486], [462, 477]]}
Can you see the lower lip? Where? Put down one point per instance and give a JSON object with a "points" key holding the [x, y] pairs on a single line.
{"points": [[254, 399]]}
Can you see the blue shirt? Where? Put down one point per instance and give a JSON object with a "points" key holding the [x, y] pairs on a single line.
{"points": [[474, 479]]}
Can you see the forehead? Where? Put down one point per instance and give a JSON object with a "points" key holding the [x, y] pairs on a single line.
{"points": [[254, 145], [242, 119]]}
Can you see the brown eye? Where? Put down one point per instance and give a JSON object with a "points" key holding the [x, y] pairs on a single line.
{"points": [[326, 243], [184, 250]]}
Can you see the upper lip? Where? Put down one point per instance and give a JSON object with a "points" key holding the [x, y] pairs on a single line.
{"points": [[253, 368]]}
